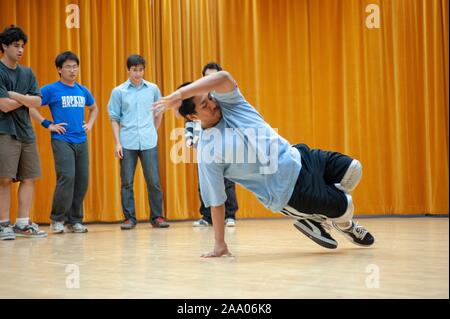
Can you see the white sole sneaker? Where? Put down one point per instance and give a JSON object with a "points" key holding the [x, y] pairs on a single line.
{"points": [[201, 224], [316, 233], [361, 238], [7, 236], [57, 229]]}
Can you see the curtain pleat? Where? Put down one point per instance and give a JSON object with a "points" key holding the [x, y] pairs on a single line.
{"points": [[311, 67]]}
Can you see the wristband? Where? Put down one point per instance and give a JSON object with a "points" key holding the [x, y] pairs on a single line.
{"points": [[46, 123]]}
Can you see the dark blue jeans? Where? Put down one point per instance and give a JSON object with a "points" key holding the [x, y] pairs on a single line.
{"points": [[150, 168]]}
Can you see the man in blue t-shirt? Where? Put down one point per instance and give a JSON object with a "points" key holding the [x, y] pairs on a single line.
{"points": [[67, 101], [236, 143]]}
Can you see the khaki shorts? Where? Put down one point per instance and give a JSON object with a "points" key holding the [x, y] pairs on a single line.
{"points": [[18, 160]]}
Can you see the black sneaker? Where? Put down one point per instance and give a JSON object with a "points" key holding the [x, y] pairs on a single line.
{"points": [[316, 232], [357, 234]]}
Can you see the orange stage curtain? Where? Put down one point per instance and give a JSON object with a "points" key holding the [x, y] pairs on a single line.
{"points": [[312, 68]]}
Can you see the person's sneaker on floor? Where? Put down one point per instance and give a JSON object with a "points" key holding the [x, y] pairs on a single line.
{"points": [[314, 228], [29, 231], [159, 222], [230, 222], [127, 224], [57, 227], [6, 232], [76, 228], [201, 223], [356, 234]]}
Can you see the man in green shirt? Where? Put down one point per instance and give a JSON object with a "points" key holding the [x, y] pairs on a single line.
{"points": [[19, 161]]}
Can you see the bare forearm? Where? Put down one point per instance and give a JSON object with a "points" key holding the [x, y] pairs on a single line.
{"points": [[8, 105], [29, 101], [218, 216], [93, 113], [115, 128], [219, 82], [157, 120], [36, 115]]}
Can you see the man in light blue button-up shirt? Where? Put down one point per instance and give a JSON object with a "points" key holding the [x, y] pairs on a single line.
{"points": [[135, 128]]}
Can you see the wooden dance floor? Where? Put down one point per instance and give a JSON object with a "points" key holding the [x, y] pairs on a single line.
{"points": [[272, 260]]}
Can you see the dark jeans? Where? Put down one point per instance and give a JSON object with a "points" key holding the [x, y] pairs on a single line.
{"points": [[314, 191], [231, 204], [72, 178], [150, 168]]}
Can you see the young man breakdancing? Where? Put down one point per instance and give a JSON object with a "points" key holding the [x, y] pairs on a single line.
{"points": [[312, 186]]}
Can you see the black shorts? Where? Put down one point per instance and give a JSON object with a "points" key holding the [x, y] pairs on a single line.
{"points": [[314, 191]]}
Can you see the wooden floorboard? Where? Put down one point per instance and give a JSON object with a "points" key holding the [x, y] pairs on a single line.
{"points": [[272, 260]]}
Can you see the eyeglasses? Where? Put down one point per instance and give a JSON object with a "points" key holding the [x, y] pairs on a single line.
{"points": [[70, 67]]}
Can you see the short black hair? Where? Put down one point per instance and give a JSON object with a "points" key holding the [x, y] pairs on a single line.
{"points": [[213, 66], [65, 56], [187, 106], [12, 34], [135, 60]]}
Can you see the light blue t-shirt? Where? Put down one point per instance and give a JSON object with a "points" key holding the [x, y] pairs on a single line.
{"points": [[67, 106], [243, 148], [131, 107]]}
